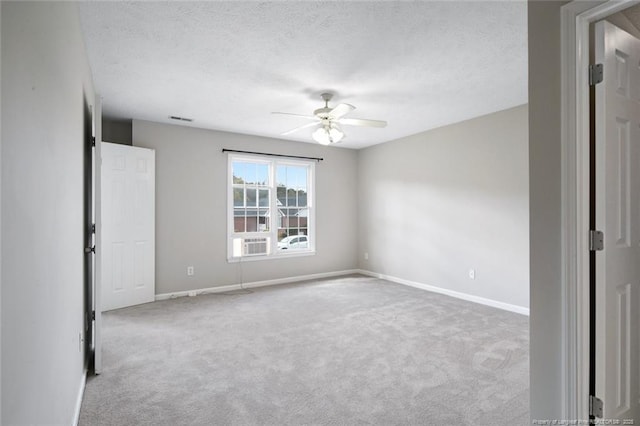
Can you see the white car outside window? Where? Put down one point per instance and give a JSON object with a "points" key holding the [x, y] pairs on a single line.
{"points": [[293, 242]]}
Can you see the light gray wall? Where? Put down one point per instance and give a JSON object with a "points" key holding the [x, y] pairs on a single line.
{"points": [[436, 204], [0, 216], [45, 78], [117, 131], [545, 209], [191, 209]]}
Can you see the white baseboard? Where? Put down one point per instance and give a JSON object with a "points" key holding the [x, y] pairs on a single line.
{"points": [[83, 382], [254, 284], [469, 297]]}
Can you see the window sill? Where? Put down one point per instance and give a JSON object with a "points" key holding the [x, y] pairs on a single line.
{"points": [[272, 256]]}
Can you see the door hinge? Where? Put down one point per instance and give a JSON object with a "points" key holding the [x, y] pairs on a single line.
{"points": [[90, 249], [596, 240], [93, 228], [596, 74], [595, 407], [93, 315], [93, 141]]}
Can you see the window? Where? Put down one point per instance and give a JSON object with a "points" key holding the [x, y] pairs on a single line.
{"points": [[271, 208]]}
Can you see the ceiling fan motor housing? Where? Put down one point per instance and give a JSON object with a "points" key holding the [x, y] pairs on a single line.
{"points": [[328, 131], [322, 112]]}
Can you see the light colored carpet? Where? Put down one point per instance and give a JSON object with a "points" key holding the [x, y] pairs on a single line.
{"points": [[348, 351]]}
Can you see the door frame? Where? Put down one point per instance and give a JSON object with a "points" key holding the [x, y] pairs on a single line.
{"points": [[89, 233], [576, 18], [97, 289]]}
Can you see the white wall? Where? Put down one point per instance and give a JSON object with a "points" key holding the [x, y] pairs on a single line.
{"points": [[545, 209], [191, 210], [45, 79], [436, 204]]}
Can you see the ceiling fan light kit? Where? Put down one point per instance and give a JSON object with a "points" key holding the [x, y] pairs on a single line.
{"points": [[327, 134], [327, 119]]}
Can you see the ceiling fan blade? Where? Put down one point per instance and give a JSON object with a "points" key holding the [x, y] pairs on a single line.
{"points": [[308, 117], [362, 122], [299, 128], [341, 110]]}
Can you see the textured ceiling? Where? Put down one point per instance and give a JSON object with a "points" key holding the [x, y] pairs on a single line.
{"points": [[228, 65]]}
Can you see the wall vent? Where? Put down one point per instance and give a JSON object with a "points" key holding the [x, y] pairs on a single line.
{"points": [[175, 117]]}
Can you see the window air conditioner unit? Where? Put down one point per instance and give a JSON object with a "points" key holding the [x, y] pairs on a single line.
{"points": [[255, 246]]}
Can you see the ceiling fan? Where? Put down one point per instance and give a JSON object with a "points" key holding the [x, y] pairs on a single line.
{"points": [[327, 120]]}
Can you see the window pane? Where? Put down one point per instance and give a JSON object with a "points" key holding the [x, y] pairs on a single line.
{"points": [[250, 176], [282, 195], [302, 198], [292, 176], [303, 218], [251, 197], [297, 176], [264, 198], [281, 176], [243, 172], [250, 173], [262, 174], [252, 220], [238, 197], [292, 221], [263, 220], [238, 220], [292, 196], [285, 218]]}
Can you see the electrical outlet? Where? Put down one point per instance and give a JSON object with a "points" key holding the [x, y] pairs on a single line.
{"points": [[366, 256], [190, 271], [472, 274]]}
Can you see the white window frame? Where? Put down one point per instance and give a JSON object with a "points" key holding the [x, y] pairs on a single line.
{"points": [[272, 234]]}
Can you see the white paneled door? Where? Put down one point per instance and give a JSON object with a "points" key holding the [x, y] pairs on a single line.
{"points": [[617, 363], [128, 225]]}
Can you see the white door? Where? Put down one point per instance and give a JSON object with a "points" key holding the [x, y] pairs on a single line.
{"points": [[618, 215], [128, 225]]}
